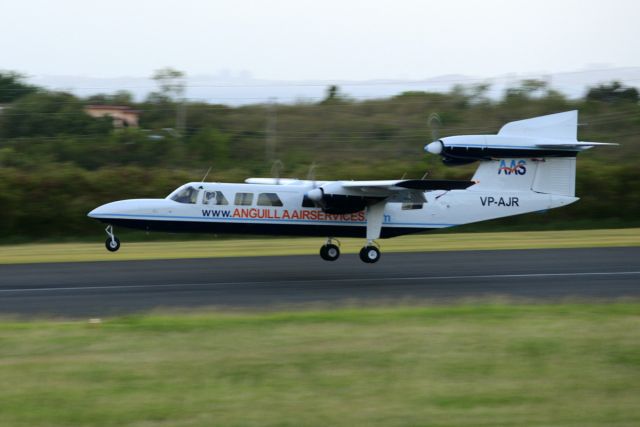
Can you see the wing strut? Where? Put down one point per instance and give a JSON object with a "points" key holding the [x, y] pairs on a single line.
{"points": [[375, 217]]}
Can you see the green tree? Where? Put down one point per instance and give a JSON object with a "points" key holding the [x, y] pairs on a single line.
{"points": [[171, 82], [210, 146], [161, 107], [527, 89], [12, 87], [333, 95], [613, 93], [121, 97], [50, 114]]}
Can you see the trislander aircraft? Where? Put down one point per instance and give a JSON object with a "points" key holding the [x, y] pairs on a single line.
{"points": [[530, 165]]}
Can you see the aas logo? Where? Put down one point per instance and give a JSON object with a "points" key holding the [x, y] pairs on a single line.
{"points": [[517, 168]]}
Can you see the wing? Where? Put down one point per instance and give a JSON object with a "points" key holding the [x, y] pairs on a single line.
{"points": [[573, 145], [408, 184], [353, 196]]}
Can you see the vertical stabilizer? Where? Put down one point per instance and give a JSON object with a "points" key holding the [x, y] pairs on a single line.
{"points": [[552, 126], [536, 154], [505, 175]]}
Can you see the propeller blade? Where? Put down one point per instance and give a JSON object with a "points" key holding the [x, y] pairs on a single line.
{"points": [[434, 124]]}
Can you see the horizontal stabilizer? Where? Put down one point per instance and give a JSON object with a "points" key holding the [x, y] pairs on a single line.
{"points": [[565, 144]]}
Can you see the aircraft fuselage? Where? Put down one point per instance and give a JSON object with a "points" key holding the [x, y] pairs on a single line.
{"points": [[280, 210]]}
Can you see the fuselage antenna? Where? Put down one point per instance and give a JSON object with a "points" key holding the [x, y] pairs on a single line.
{"points": [[206, 174]]}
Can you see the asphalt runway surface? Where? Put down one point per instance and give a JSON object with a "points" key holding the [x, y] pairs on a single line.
{"points": [[95, 289]]}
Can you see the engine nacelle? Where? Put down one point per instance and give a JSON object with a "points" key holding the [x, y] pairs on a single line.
{"points": [[460, 150], [333, 198], [553, 135], [315, 195]]}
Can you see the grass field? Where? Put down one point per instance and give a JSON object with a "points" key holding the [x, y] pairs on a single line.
{"points": [[483, 365], [27, 253]]}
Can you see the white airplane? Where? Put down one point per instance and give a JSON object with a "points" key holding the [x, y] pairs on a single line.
{"points": [[529, 166]]}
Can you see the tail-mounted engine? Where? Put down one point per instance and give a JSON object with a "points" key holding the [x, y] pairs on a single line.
{"points": [[554, 135]]}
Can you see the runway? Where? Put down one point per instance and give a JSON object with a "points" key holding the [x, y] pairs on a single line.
{"points": [[97, 289]]}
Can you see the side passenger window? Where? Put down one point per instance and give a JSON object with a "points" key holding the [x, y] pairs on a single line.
{"points": [[214, 198], [244, 199], [269, 199]]}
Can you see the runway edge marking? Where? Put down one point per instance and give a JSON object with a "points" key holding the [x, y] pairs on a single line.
{"points": [[378, 279]]}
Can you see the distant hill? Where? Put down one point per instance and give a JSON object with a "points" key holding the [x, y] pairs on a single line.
{"points": [[242, 88]]}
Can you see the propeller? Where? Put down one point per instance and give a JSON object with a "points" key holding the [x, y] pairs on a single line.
{"points": [[315, 194], [434, 147], [276, 168], [434, 123], [311, 175]]}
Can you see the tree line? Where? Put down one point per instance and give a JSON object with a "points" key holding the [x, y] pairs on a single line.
{"points": [[57, 162]]}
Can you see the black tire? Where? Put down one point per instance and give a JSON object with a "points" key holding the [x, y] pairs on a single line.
{"points": [[330, 252], [112, 245], [370, 254]]}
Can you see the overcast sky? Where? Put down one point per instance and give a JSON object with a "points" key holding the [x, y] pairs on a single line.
{"points": [[321, 39]]}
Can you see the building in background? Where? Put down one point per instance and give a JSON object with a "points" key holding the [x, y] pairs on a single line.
{"points": [[123, 116]]}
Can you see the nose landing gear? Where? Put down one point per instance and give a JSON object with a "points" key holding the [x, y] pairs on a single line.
{"points": [[112, 243]]}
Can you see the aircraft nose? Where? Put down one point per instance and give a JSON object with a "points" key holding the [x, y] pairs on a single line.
{"points": [[96, 212], [128, 207], [106, 209]]}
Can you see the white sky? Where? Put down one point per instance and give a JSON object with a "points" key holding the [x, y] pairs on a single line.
{"points": [[320, 39]]}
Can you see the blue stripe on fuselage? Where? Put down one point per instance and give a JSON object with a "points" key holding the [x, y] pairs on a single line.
{"points": [[270, 220]]}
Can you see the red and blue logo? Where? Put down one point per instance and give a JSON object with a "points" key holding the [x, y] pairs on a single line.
{"points": [[515, 168]]}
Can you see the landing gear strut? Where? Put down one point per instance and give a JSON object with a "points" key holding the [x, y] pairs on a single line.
{"points": [[329, 251], [112, 243], [370, 253], [375, 216]]}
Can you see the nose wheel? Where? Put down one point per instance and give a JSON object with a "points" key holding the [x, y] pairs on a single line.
{"points": [[329, 251], [112, 243]]}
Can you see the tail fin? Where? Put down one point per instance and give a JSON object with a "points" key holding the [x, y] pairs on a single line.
{"points": [[537, 154], [548, 136], [548, 146]]}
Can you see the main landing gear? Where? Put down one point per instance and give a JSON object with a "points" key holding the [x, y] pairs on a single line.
{"points": [[329, 251], [370, 253], [112, 243]]}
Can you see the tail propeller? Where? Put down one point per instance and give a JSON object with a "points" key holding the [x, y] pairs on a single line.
{"points": [[434, 147], [434, 124]]}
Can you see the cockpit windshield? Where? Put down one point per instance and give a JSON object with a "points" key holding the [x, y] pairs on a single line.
{"points": [[185, 195]]}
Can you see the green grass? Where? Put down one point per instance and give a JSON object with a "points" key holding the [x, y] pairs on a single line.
{"points": [[483, 365], [61, 252]]}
